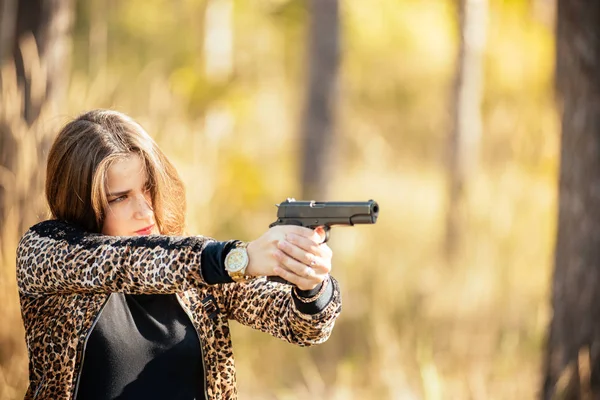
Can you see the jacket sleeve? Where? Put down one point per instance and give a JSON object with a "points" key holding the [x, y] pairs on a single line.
{"points": [[271, 308], [55, 257]]}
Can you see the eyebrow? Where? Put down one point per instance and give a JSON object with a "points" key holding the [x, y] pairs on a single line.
{"points": [[121, 193], [117, 194]]}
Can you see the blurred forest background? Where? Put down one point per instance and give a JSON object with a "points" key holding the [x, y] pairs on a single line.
{"points": [[448, 295]]}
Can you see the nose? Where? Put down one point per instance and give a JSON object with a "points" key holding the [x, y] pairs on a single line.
{"points": [[143, 207]]}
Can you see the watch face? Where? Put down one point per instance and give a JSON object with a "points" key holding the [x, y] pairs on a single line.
{"points": [[236, 260]]}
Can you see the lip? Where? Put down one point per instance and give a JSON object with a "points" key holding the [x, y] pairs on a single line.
{"points": [[145, 231]]}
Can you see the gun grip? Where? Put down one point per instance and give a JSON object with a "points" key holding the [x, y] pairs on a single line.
{"points": [[280, 279]]}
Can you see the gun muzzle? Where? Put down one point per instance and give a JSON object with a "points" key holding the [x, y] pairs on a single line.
{"points": [[370, 217]]}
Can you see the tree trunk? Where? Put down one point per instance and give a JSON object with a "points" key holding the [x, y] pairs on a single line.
{"points": [[572, 364], [50, 22], [35, 46], [465, 134], [319, 113], [8, 17]]}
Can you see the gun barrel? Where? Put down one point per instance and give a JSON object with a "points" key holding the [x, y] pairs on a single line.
{"points": [[329, 213]]}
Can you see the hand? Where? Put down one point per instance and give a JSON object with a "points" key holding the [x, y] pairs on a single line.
{"points": [[294, 253]]}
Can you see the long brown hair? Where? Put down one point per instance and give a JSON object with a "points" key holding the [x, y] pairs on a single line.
{"points": [[77, 168]]}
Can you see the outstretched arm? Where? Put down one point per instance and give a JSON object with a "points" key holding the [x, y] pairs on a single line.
{"points": [[272, 308], [55, 257], [303, 317]]}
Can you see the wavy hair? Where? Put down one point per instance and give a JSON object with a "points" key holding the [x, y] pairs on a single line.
{"points": [[77, 171]]}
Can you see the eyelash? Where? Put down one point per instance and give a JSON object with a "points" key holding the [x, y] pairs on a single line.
{"points": [[146, 189], [118, 199]]}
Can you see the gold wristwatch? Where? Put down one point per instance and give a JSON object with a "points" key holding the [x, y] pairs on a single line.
{"points": [[236, 262]]}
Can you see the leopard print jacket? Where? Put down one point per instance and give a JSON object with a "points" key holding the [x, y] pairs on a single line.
{"points": [[65, 277]]}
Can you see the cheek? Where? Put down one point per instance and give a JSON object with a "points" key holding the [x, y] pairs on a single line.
{"points": [[115, 223]]}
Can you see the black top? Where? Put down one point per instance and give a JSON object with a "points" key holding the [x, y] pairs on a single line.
{"points": [[142, 347], [145, 346]]}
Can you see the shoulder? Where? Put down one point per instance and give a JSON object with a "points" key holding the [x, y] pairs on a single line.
{"points": [[47, 228], [54, 229]]}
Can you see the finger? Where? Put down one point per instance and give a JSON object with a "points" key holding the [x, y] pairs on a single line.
{"points": [[297, 259], [299, 253], [306, 244], [322, 234], [321, 266], [326, 251], [297, 230], [301, 282], [292, 265]]}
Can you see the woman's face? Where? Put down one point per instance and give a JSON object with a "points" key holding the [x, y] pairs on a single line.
{"points": [[129, 210]]}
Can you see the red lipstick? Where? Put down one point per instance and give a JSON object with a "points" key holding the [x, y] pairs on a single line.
{"points": [[145, 231]]}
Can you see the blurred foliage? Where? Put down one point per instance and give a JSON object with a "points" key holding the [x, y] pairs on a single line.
{"points": [[412, 327]]}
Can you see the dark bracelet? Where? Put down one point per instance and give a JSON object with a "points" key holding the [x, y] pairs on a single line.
{"points": [[316, 296]]}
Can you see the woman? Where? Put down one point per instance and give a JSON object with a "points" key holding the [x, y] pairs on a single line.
{"points": [[117, 304]]}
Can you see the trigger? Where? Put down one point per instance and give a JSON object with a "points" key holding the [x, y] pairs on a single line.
{"points": [[326, 229]]}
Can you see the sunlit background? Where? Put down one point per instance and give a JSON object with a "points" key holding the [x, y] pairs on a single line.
{"points": [[221, 85]]}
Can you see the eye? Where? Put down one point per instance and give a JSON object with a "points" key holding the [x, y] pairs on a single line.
{"points": [[117, 199]]}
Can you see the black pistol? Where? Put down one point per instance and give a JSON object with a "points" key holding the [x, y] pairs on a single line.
{"points": [[312, 214]]}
